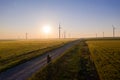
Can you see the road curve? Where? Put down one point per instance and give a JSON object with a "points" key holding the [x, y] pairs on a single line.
{"points": [[25, 70]]}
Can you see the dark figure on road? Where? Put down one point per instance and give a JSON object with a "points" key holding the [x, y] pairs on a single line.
{"points": [[48, 58]]}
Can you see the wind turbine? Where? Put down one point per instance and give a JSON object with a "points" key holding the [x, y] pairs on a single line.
{"points": [[59, 31], [113, 30], [64, 34], [26, 34], [103, 34]]}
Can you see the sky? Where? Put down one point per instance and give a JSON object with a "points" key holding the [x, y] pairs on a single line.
{"points": [[78, 18]]}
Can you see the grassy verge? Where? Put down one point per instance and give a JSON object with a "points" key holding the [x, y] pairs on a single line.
{"points": [[74, 64]]}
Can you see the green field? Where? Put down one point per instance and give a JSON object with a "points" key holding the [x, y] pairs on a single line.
{"points": [[106, 56], [13, 52]]}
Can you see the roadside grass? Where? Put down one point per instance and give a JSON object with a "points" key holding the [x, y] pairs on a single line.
{"points": [[75, 64], [13, 53]]}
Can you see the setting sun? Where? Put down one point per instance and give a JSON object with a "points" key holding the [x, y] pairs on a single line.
{"points": [[47, 29]]}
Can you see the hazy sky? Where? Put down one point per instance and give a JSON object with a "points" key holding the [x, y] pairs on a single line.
{"points": [[79, 18]]}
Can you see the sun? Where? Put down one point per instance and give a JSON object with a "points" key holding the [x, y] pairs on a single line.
{"points": [[47, 29]]}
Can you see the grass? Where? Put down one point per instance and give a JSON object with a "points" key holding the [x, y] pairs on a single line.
{"points": [[74, 64], [14, 52], [106, 55]]}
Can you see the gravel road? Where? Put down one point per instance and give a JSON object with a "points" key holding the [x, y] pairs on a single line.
{"points": [[25, 70]]}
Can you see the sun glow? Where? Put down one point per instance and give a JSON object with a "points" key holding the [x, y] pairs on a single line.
{"points": [[47, 29]]}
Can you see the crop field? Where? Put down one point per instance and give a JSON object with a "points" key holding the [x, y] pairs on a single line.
{"points": [[91, 59], [13, 52], [106, 56]]}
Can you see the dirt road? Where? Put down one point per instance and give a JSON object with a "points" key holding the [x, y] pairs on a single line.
{"points": [[25, 70]]}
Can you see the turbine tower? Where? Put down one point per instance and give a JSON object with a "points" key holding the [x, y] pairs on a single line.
{"points": [[113, 30], [103, 34], [59, 31], [26, 36], [64, 34], [96, 35]]}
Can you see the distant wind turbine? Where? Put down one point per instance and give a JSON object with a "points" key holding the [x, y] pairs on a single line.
{"points": [[59, 31], [103, 34], [26, 36], [113, 30], [64, 34]]}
